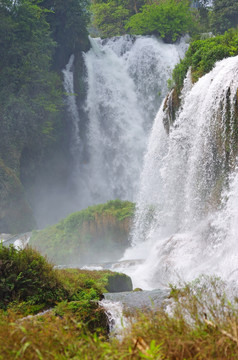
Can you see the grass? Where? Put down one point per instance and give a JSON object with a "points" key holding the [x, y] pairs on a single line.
{"points": [[201, 324], [197, 321]]}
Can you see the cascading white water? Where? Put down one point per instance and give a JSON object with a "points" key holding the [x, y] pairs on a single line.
{"points": [[178, 229], [114, 311], [126, 80], [72, 106]]}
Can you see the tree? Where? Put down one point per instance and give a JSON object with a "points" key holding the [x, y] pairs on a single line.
{"points": [[110, 18], [30, 94], [68, 20], [224, 15], [169, 19]]}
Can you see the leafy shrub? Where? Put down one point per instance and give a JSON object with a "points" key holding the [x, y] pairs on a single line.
{"points": [[25, 275]]}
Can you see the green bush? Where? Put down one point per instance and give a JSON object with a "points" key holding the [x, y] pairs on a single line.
{"points": [[25, 275]]}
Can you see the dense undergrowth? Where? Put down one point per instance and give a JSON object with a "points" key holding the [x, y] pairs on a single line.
{"points": [[197, 322], [98, 233]]}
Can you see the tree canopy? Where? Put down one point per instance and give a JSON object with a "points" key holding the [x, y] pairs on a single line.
{"points": [[36, 39], [224, 15], [169, 19], [110, 17]]}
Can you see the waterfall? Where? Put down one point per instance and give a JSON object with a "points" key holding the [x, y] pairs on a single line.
{"points": [[72, 106], [126, 82], [186, 220]]}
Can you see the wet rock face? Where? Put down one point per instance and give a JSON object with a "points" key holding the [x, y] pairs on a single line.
{"points": [[171, 105]]}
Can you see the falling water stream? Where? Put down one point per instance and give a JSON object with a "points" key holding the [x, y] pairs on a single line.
{"points": [[126, 82], [186, 220]]}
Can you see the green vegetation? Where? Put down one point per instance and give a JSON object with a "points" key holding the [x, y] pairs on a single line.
{"points": [[27, 276], [35, 38], [202, 324], [68, 20], [98, 233], [103, 280], [29, 284], [168, 19], [224, 15], [202, 55], [110, 18]]}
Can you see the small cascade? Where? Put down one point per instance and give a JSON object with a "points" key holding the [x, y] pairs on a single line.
{"points": [[72, 106], [114, 311], [126, 81], [186, 219]]}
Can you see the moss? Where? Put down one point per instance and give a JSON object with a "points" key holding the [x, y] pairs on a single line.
{"points": [[98, 233], [102, 281], [119, 283]]}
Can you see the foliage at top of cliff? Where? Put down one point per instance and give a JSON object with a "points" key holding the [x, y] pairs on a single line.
{"points": [[98, 233], [68, 20], [116, 208], [168, 19], [203, 54]]}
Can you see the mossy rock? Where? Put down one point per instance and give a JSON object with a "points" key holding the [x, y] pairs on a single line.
{"points": [[100, 280], [118, 282]]}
